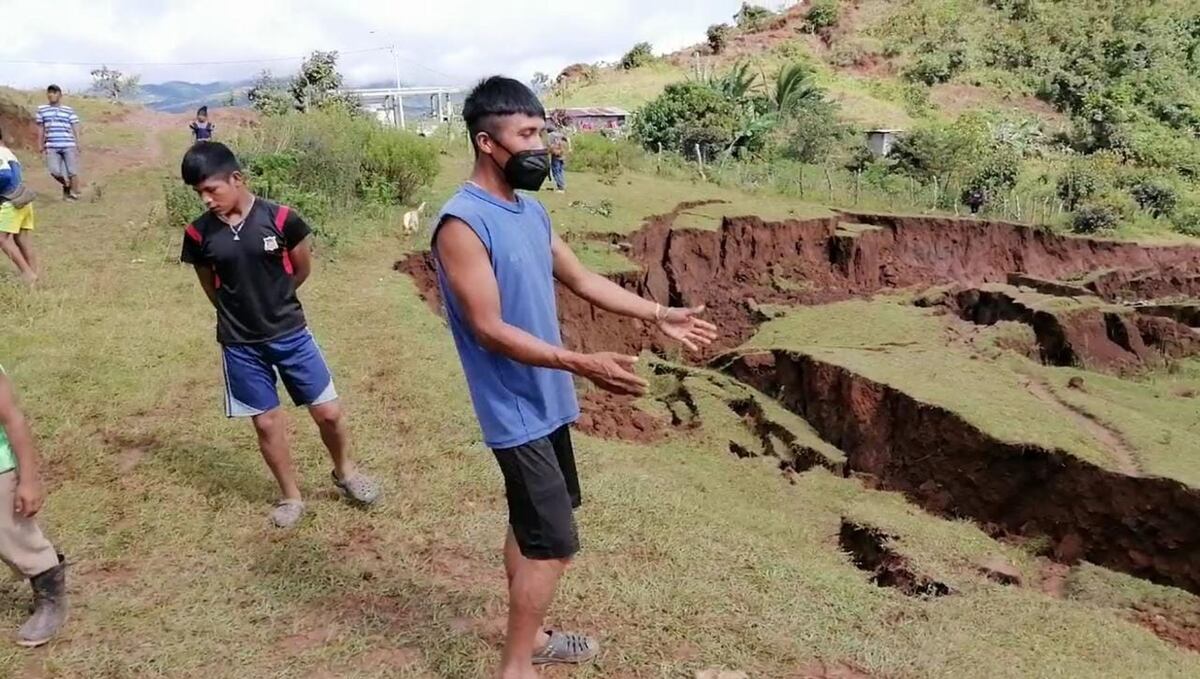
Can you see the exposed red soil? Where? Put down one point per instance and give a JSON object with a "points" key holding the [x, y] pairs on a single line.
{"points": [[617, 417], [1178, 629], [1133, 283], [823, 670], [17, 122], [1088, 335], [1145, 526], [747, 260]]}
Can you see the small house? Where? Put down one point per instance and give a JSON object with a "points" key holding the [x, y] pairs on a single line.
{"points": [[882, 141], [591, 117]]}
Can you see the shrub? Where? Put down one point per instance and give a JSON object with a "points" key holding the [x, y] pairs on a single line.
{"points": [[1095, 218], [821, 16], [932, 68], [686, 114], [180, 203], [638, 56], [604, 156], [753, 17], [396, 166], [1078, 183], [718, 37], [812, 132], [1156, 197], [1187, 220]]}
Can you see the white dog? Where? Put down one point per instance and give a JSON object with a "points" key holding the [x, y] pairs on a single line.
{"points": [[412, 219]]}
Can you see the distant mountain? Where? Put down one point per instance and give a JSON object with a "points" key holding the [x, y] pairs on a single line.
{"points": [[177, 96]]}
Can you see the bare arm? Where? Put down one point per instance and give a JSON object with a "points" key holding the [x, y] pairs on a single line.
{"points": [[465, 263], [76, 128], [301, 261], [208, 281], [41, 137], [29, 496], [678, 323]]}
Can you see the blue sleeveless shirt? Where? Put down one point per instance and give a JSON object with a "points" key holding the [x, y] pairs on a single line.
{"points": [[514, 402]]}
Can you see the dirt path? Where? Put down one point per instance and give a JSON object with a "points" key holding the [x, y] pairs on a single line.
{"points": [[1112, 441]]}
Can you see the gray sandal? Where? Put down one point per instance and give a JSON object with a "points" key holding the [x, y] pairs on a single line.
{"points": [[358, 487], [287, 513], [567, 648]]}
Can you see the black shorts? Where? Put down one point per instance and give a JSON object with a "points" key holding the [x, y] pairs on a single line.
{"points": [[543, 491]]}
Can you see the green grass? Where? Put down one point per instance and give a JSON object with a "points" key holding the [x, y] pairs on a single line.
{"points": [[693, 558]]}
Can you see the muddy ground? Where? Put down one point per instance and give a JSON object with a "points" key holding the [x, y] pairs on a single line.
{"points": [[1108, 306]]}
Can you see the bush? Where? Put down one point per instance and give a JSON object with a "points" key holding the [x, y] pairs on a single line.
{"points": [[821, 16], [396, 166], [686, 114], [606, 157], [1081, 181], [638, 56], [1156, 197], [323, 163], [1095, 218], [933, 68], [812, 132], [180, 203], [718, 37], [753, 17], [1187, 220]]}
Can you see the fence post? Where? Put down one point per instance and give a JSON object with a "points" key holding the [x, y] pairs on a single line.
{"points": [[700, 162], [829, 183]]}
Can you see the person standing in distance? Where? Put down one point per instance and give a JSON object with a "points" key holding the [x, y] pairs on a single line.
{"points": [[58, 138], [498, 259]]}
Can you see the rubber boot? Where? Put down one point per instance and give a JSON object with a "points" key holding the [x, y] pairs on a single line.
{"points": [[49, 606]]}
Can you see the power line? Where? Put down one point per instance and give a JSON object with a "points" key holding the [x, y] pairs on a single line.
{"points": [[38, 62]]}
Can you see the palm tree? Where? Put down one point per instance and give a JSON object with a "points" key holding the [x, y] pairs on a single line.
{"points": [[794, 88]]}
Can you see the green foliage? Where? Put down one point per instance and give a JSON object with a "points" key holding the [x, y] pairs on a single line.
{"points": [[752, 18], [638, 56], [606, 157], [812, 132], [114, 84], [795, 88], [687, 114], [1155, 196], [941, 151], [268, 95], [326, 162], [822, 16], [396, 166], [1187, 220], [718, 37], [1095, 218], [1085, 178], [318, 85], [936, 67], [180, 203]]}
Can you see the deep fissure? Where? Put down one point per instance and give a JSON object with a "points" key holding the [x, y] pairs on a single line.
{"points": [[1145, 526]]}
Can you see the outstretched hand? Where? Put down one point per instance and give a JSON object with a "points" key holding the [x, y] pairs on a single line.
{"points": [[682, 324]]}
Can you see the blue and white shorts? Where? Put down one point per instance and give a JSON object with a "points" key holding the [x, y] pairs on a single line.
{"points": [[250, 371]]}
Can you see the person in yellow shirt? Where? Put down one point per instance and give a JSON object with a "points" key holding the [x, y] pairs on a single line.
{"points": [[16, 215]]}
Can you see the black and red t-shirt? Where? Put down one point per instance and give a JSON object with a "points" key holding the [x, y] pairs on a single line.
{"points": [[256, 297]]}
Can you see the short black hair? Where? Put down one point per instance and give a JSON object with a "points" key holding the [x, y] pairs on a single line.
{"points": [[206, 160], [54, 89], [202, 111], [498, 96]]}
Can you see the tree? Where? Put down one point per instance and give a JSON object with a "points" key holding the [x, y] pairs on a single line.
{"points": [[318, 85], [718, 37], [687, 114], [268, 96], [638, 56], [794, 88], [752, 18], [540, 82], [114, 84], [822, 16]]}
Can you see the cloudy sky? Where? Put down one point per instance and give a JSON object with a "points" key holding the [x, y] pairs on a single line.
{"points": [[439, 41]]}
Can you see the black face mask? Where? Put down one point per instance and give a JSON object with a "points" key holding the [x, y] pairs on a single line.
{"points": [[525, 170]]}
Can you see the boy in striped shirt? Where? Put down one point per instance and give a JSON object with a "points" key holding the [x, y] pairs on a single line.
{"points": [[58, 137]]}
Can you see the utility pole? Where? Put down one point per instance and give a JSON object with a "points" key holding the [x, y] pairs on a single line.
{"points": [[399, 99]]}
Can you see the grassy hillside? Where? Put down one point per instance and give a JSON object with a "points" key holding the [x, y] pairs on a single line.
{"points": [[1089, 108]]}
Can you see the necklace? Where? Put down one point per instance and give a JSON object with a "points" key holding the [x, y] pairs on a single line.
{"points": [[237, 228]]}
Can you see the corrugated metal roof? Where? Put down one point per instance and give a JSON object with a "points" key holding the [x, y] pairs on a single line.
{"points": [[579, 112]]}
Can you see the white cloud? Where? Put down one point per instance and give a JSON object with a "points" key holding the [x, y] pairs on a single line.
{"points": [[438, 41]]}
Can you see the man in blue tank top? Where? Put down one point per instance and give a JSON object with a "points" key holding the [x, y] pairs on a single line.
{"points": [[498, 259]]}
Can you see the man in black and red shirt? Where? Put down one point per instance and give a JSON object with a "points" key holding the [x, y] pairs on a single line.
{"points": [[251, 255]]}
